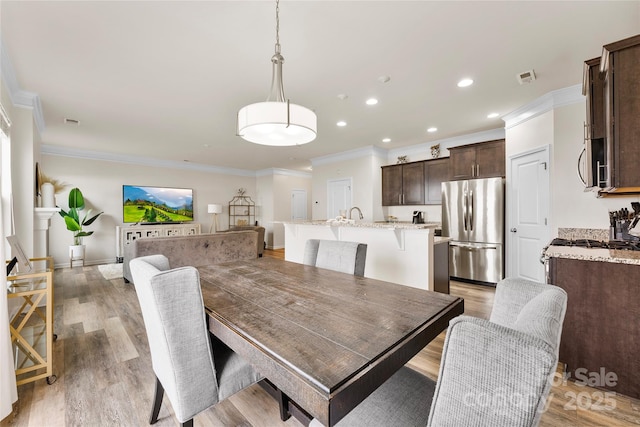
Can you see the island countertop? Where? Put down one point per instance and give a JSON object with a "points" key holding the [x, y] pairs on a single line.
{"points": [[366, 224]]}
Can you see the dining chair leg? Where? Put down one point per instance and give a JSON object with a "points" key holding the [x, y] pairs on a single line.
{"points": [[157, 402]]}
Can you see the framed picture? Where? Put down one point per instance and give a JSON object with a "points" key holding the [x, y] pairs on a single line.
{"points": [[24, 266]]}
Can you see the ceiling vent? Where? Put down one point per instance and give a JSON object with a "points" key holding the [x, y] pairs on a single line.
{"points": [[72, 122], [526, 77]]}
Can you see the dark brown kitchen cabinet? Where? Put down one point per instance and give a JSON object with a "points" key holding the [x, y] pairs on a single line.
{"points": [[435, 173], [403, 184], [593, 90], [481, 160], [620, 64], [391, 185], [601, 328]]}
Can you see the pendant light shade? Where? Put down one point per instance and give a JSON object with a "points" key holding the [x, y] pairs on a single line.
{"points": [[276, 121]]}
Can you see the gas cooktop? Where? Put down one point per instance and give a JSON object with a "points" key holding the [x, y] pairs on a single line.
{"points": [[588, 243]]}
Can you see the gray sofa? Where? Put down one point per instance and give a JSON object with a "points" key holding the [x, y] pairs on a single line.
{"points": [[260, 229], [196, 251]]}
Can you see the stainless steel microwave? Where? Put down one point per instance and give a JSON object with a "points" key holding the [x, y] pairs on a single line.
{"points": [[592, 164]]}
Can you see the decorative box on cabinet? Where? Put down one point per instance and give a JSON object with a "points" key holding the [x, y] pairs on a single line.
{"points": [[31, 326], [481, 160], [127, 234]]}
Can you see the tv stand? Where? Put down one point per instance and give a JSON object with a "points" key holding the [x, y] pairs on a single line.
{"points": [[128, 233]]}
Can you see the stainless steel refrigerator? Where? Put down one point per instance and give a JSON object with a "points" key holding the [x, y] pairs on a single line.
{"points": [[473, 216]]}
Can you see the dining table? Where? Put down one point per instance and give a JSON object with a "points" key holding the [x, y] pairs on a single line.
{"points": [[324, 340]]}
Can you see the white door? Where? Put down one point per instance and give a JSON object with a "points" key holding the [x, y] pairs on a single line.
{"points": [[338, 196], [528, 203], [298, 205]]}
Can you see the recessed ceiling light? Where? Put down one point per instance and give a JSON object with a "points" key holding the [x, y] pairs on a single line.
{"points": [[385, 140], [384, 79], [432, 129], [341, 123], [465, 82], [492, 115], [343, 96], [372, 101]]}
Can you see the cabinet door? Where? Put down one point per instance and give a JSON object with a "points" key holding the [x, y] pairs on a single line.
{"points": [[462, 163], [413, 184], [435, 173], [391, 185], [490, 161], [594, 88], [626, 111]]}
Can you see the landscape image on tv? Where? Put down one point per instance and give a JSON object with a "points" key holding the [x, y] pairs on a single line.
{"points": [[156, 204]]}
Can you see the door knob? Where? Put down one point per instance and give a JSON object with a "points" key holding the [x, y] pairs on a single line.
{"points": [[513, 230]]}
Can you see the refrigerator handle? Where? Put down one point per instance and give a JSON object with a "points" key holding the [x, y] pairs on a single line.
{"points": [[471, 211], [464, 209]]}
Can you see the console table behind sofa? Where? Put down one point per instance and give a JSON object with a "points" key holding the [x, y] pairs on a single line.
{"points": [[125, 235]]}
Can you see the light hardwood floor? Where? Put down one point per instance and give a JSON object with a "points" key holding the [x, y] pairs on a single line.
{"points": [[104, 373]]}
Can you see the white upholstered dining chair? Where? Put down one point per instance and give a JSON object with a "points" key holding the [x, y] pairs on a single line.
{"points": [[194, 368], [345, 257], [495, 372]]}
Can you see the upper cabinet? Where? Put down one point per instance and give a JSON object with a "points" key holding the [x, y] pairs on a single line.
{"points": [[482, 160], [593, 90], [416, 183], [403, 184], [435, 173], [620, 65]]}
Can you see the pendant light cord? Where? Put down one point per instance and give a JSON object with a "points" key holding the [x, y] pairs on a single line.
{"points": [[277, 26]]}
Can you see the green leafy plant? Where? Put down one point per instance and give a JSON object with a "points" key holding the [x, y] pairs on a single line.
{"points": [[72, 217]]}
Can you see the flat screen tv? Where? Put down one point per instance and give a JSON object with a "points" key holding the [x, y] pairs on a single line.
{"points": [[152, 205]]}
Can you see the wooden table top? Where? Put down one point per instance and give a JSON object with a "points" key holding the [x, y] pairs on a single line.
{"points": [[326, 339]]}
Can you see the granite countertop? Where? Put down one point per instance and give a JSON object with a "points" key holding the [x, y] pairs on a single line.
{"points": [[590, 254], [594, 254], [368, 224], [440, 239]]}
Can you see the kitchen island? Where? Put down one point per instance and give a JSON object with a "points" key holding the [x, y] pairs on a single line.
{"points": [[397, 252]]}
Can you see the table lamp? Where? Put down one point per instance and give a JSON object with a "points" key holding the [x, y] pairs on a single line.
{"points": [[214, 209]]}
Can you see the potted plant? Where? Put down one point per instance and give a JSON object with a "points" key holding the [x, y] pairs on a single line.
{"points": [[75, 224]]}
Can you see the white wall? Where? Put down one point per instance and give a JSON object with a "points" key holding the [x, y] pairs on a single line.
{"points": [[283, 185], [562, 128], [366, 188], [101, 183], [24, 146], [264, 197]]}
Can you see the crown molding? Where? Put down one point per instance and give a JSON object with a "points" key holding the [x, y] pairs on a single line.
{"points": [[555, 99], [143, 161], [370, 151], [19, 97], [424, 149], [283, 172]]}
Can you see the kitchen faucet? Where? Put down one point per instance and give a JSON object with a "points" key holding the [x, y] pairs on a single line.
{"points": [[359, 212]]}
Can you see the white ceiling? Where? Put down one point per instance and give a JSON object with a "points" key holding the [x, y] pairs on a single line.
{"points": [[164, 80]]}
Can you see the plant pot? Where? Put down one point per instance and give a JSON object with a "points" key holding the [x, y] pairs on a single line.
{"points": [[76, 252]]}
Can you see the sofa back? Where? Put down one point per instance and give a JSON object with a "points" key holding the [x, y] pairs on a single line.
{"points": [[196, 250]]}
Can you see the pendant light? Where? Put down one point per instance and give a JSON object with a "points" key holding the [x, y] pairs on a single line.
{"points": [[276, 121]]}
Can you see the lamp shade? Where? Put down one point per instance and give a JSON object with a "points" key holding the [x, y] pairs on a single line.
{"points": [[277, 123], [214, 208]]}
